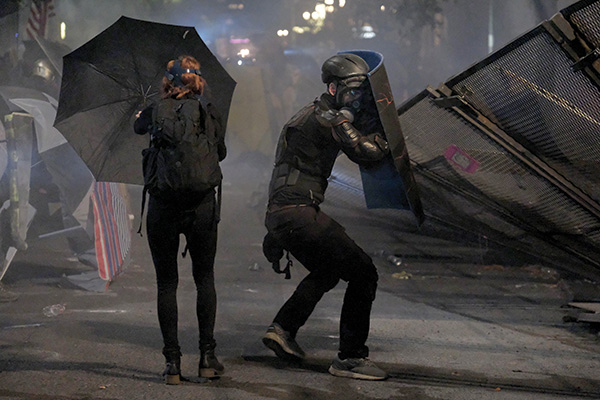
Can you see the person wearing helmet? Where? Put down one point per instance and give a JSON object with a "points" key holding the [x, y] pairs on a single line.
{"points": [[306, 152], [43, 78]]}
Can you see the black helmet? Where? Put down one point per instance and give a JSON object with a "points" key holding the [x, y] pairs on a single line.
{"points": [[343, 66], [43, 69], [348, 72]]}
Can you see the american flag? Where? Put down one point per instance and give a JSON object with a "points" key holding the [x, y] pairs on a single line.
{"points": [[41, 10]]}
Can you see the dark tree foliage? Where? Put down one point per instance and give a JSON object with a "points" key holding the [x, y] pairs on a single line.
{"points": [[9, 6]]}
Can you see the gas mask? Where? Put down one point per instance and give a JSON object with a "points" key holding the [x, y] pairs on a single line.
{"points": [[353, 95]]}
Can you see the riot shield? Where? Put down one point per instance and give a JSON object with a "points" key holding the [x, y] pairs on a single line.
{"points": [[391, 184]]}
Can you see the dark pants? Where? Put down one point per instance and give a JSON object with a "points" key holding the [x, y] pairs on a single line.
{"points": [[324, 248], [166, 220]]}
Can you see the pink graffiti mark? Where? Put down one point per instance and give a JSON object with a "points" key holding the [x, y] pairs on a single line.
{"points": [[385, 100], [461, 159]]}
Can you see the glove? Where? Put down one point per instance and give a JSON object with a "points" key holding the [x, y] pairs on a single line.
{"points": [[381, 142], [330, 117], [348, 113]]}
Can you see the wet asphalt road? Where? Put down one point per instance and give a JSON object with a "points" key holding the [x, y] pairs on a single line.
{"points": [[444, 329]]}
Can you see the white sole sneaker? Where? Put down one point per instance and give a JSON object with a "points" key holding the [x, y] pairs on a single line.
{"points": [[354, 375], [281, 348]]}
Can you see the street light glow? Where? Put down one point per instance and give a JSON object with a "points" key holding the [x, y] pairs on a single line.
{"points": [[320, 8], [342, 3], [306, 15]]}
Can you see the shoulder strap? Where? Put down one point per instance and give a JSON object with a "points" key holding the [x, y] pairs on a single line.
{"points": [[212, 117], [144, 193], [154, 135]]}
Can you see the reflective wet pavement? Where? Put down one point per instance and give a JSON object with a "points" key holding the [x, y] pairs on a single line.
{"points": [[443, 328]]}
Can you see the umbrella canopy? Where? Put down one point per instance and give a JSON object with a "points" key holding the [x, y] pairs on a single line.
{"points": [[68, 172], [9, 93], [114, 75], [9, 103]]}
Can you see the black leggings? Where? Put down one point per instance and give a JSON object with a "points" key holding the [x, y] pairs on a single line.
{"points": [[166, 220], [324, 248]]}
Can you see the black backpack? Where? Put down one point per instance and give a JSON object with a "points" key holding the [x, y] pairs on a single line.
{"points": [[183, 154]]}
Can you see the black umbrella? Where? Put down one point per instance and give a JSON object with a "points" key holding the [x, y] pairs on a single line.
{"points": [[114, 75]]}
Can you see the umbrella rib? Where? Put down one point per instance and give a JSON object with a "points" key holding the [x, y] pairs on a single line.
{"points": [[111, 139], [137, 70], [125, 100], [105, 73]]}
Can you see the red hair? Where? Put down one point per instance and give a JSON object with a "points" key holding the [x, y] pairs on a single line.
{"points": [[193, 84]]}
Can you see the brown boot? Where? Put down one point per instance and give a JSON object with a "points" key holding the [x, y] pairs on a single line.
{"points": [[209, 366]]}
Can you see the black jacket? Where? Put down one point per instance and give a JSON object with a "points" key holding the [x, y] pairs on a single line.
{"points": [[308, 147]]}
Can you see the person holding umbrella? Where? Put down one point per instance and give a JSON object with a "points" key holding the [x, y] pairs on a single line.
{"points": [[180, 123]]}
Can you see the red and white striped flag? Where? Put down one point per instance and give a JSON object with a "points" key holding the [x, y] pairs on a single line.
{"points": [[112, 229], [37, 23]]}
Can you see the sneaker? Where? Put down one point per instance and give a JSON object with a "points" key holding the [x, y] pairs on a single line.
{"points": [[172, 372], [357, 368], [282, 343]]}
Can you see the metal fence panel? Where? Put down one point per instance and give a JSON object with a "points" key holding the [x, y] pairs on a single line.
{"points": [[545, 177]]}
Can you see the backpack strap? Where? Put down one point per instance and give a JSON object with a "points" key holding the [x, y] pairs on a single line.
{"points": [[145, 191], [217, 215], [212, 119], [219, 201]]}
